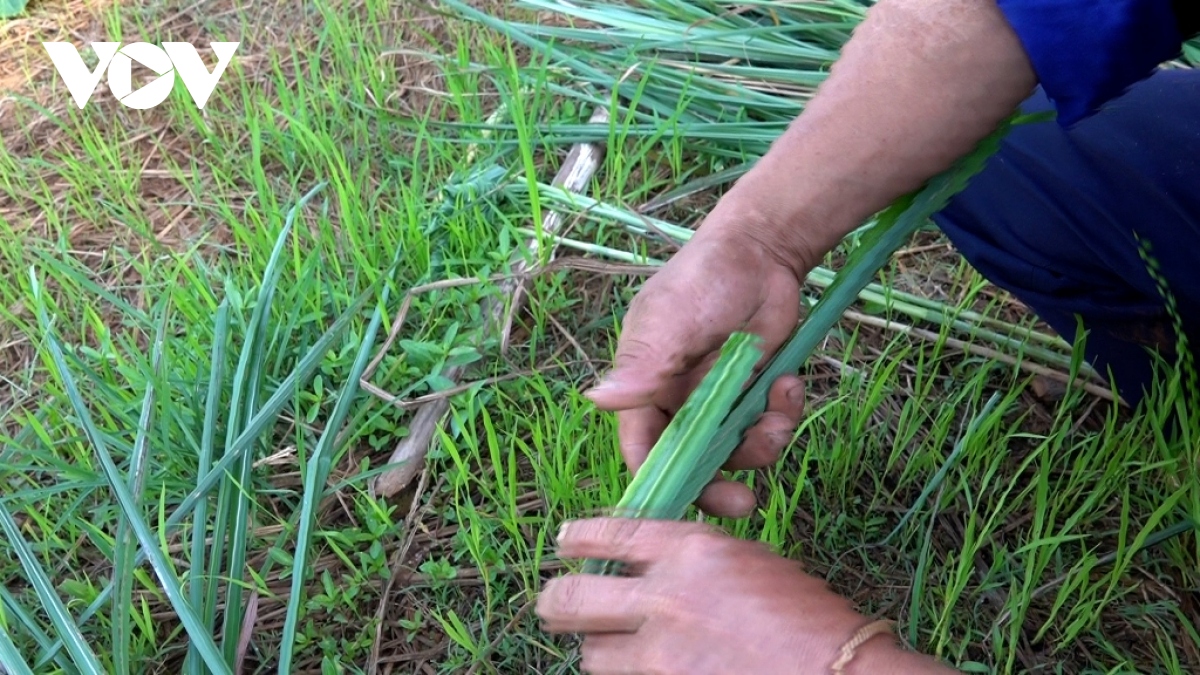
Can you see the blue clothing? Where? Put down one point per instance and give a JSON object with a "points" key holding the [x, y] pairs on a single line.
{"points": [[1056, 214], [1087, 52]]}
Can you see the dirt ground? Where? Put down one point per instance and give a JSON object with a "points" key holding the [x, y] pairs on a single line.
{"points": [[927, 267]]}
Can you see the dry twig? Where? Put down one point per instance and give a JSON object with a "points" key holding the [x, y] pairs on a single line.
{"points": [[985, 352], [409, 455]]}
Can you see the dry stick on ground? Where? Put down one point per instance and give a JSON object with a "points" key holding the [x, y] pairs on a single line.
{"points": [[397, 558], [409, 456], [985, 352]]}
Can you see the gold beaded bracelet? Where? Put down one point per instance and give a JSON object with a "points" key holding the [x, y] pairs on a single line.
{"points": [[865, 633]]}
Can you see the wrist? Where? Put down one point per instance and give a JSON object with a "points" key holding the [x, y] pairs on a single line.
{"points": [[896, 110], [757, 213], [883, 655]]}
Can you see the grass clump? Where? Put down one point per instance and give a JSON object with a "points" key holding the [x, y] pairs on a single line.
{"points": [[188, 298]]}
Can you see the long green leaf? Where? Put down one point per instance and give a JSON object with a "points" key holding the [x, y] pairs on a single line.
{"points": [[940, 476], [216, 376], [158, 560], [123, 567], [31, 626], [11, 660], [316, 475], [85, 659], [248, 379]]}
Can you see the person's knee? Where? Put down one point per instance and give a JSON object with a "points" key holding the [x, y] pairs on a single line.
{"points": [[1056, 215]]}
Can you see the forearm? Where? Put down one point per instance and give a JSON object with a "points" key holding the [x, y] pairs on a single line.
{"points": [[919, 84]]}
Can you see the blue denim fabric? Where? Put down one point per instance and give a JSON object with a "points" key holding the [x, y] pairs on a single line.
{"points": [[1054, 216], [1087, 52]]}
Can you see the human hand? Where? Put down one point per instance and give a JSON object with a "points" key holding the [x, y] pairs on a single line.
{"points": [[724, 280], [704, 603]]}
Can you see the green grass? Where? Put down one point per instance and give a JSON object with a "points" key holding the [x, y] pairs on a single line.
{"points": [[191, 403]]}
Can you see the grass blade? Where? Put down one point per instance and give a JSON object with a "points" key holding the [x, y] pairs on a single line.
{"points": [[123, 567], [194, 666], [940, 476], [158, 560], [235, 494], [13, 608], [11, 660], [316, 475], [266, 416], [85, 659]]}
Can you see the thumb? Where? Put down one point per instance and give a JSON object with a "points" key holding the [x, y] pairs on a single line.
{"points": [[677, 320], [660, 341], [640, 371]]}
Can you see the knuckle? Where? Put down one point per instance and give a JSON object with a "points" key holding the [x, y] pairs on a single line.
{"points": [[758, 450], [704, 543], [673, 608], [561, 597], [634, 349], [778, 440], [777, 423], [648, 355], [622, 532], [714, 541], [588, 657]]}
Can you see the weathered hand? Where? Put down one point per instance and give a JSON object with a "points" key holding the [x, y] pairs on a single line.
{"points": [[699, 602], [720, 282], [919, 84]]}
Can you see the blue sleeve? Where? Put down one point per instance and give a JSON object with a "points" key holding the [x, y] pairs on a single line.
{"points": [[1088, 52]]}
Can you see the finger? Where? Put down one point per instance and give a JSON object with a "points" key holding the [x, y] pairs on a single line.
{"points": [[760, 447], [724, 498], [589, 603], [763, 442], [671, 325], [776, 320], [659, 340], [773, 323], [640, 429], [612, 654], [639, 542], [637, 431]]}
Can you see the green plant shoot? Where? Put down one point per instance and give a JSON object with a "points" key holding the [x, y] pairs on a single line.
{"points": [[682, 462]]}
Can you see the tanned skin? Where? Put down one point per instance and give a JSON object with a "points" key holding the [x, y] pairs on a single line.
{"points": [[920, 83]]}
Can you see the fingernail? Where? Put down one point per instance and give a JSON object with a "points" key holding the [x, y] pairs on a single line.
{"points": [[605, 385], [562, 531], [796, 394], [609, 379]]}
